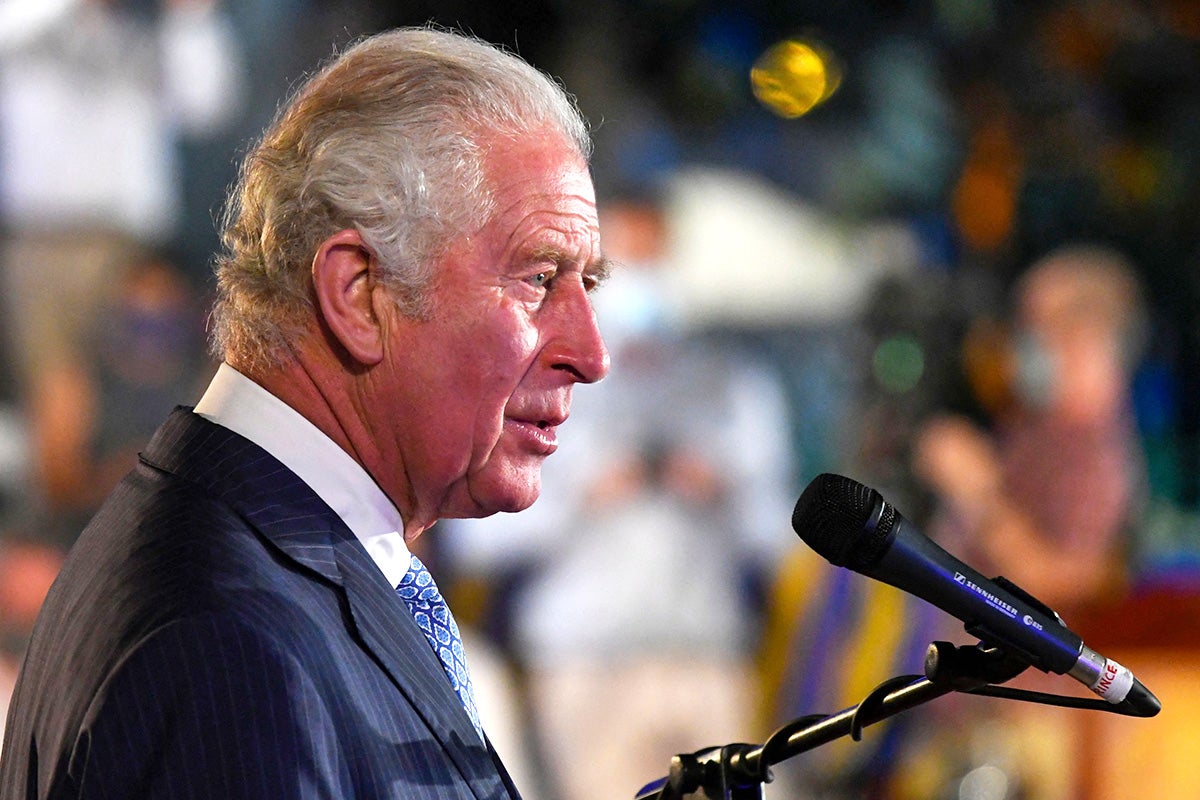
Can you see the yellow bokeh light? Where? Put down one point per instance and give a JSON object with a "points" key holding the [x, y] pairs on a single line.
{"points": [[792, 77]]}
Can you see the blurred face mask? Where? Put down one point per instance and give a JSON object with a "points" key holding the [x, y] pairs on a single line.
{"points": [[635, 306], [1036, 370]]}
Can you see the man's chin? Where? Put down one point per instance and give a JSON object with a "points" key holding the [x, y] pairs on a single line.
{"points": [[521, 499], [517, 493]]}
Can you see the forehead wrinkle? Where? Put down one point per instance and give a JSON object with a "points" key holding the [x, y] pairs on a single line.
{"points": [[561, 220], [553, 200], [565, 232]]}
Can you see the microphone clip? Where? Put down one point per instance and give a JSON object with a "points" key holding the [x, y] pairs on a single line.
{"points": [[967, 668]]}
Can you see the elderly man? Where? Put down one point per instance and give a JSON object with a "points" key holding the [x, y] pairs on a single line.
{"points": [[403, 311]]}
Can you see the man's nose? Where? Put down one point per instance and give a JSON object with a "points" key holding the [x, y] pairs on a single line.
{"points": [[576, 344]]}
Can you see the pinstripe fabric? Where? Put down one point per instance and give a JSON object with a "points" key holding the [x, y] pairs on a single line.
{"points": [[217, 632]]}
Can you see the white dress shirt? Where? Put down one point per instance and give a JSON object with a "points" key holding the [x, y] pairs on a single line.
{"points": [[234, 401]]}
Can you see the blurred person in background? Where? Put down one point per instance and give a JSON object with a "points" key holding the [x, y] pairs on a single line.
{"points": [[1048, 497], [142, 355], [95, 97], [98, 341]]}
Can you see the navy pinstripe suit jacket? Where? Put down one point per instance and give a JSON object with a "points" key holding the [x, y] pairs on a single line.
{"points": [[217, 632]]}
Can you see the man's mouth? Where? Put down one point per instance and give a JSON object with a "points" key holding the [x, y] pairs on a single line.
{"points": [[538, 436]]}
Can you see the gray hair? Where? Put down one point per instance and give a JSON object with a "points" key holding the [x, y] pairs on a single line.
{"points": [[387, 139]]}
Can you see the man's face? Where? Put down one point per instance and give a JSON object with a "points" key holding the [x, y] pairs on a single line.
{"points": [[476, 390]]}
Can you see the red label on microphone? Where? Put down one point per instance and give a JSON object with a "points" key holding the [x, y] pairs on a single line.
{"points": [[1114, 682]]}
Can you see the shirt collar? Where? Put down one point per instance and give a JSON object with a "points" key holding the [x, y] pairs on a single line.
{"points": [[234, 401]]}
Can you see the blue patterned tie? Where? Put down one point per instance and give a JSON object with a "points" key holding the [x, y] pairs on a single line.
{"points": [[424, 601]]}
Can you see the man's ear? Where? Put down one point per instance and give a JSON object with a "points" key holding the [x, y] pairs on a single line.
{"points": [[344, 279]]}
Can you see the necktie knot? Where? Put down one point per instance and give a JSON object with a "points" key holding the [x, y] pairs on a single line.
{"points": [[433, 617]]}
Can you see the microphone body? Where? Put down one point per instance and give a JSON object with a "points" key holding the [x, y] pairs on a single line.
{"points": [[851, 526]]}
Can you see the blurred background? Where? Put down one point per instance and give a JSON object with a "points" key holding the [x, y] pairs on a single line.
{"points": [[950, 248]]}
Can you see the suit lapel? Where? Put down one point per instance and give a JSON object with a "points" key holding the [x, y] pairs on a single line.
{"points": [[304, 529], [409, 655]]}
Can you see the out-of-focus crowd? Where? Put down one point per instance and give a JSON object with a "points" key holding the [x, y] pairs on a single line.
{"points": [[970, 279]]}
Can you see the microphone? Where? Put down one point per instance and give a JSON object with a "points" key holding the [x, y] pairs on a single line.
{"points": [[852, 526]]}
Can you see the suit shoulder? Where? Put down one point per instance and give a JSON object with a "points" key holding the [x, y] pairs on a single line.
{"points": [[163, 555], [214, 702]]}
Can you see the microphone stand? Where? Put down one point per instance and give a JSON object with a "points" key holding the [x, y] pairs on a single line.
{"points": [[739, 771]]}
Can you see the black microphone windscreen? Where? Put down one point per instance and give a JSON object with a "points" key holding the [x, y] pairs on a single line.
{"points": [[836, 517]]}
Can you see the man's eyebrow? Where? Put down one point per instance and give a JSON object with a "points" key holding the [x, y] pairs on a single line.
{"points": [[552, 253], [600, 269]]}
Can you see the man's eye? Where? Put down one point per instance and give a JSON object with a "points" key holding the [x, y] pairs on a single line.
{"points": [[542, 279]]}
